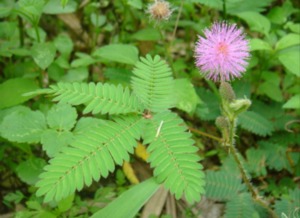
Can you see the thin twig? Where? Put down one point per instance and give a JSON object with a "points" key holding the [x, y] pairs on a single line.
{"points": [[205, 134]]}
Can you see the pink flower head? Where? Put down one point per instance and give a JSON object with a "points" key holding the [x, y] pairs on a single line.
{"points": [[222, 55]]}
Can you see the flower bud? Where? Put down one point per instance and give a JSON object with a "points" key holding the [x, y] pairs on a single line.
{"points": [[222, 122], [226, 91], [240, 105]]}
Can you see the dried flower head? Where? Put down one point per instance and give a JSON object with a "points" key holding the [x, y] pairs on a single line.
{"points": [[160, 10], [222, 55]]}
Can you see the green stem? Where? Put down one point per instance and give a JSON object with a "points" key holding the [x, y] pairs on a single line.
{"points": [[245, 177], [37, 33], [224, 10], [21, 30]]}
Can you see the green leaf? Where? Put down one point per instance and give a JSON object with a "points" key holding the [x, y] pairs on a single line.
{"points": [[256, 21], [222, 186], [98, 98], [43, 54], [54, 141], [12, 89], [290, 60], [135, 3], [241, 207], [287, 41], [256, 162], [92, 154], [258, 44], [76, 75], [153, 83], [148, 34], [97, 20], [32, 9], [255, 123], [126, 54], [63, 44], [173, 156], [187, 98], [61, 117], [84, 60], [271, 90], [29, 170], [289, 206], [23, 125], [293, 102], [55, 7], [129, 202]]}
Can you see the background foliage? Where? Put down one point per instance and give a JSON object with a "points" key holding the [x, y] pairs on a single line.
{"points": [[69, 48]]}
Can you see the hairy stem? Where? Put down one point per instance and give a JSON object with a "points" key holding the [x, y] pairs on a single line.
{"points": [[245, 177]]}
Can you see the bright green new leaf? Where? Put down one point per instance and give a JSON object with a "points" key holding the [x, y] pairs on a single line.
{"points": [[61, 117], [287, 41], [126, 54], [187, 98], [43, 54], [293, 102], [12, 90], [256, 21], [130, 202], [54, 141], [29, 170], [23, 125]]}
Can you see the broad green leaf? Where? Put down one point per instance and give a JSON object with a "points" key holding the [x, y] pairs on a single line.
{"points": [[271, 90], [126, 54], [12, 90], [186, 96], [53, 141], [6, 7], [291, 61], [23, 125], [288, 40], [135, 3], [66, 204], [64, 2], [61, 117], [43, 54], [86, 123], [63, 44], [33, 7], [258, 44], [277, 15], [256, 21], [293, 102], [55, 7], [148, 34], [76, 75], [29, 170], [83, 60], [130, 202], [31, 32]]}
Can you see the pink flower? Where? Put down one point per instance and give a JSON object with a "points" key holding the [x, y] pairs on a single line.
{"points": [[222, 55]]}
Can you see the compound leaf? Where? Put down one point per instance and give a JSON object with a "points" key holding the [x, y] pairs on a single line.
{"points": [[98, 98], [173, 156], [91, 155], [153, 83]]}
